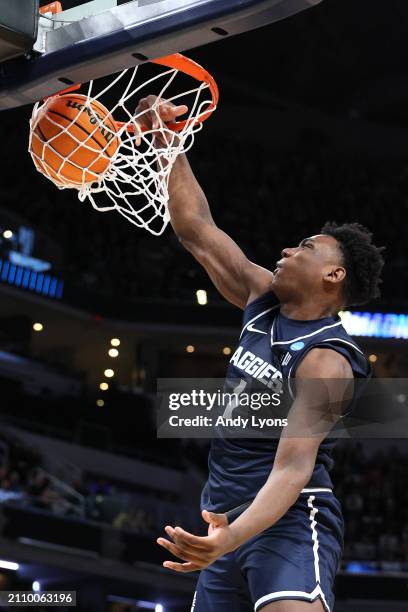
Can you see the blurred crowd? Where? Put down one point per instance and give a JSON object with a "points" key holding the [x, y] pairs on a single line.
{"points": [[265, 200], [372, 489], [17, 463], [370, 484], [25, 480]]}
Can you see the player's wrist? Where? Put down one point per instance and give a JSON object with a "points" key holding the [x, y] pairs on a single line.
{"points": [[238, 535]]}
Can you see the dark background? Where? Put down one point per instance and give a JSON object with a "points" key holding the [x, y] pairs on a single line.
{"points": [[337, 68], [312, 126]]}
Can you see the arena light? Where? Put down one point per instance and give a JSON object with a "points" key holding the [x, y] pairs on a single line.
{"points": [[140, 603], [115, 342], [38, 327], [113, 352], [226, 350], [30, 280], [109, 373], [7, 234], [190, 348], [375, 324], [10, 565], [36, 587], [104, 386], [201, 295], [100, 403], [358, 567]]}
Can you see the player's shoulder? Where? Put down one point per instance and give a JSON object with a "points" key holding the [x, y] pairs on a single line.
{"points": [[337, 338], [325, 362], [336, 333], [261, 305]]}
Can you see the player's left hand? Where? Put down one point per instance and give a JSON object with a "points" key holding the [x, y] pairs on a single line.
{"points": [[198, 552]]}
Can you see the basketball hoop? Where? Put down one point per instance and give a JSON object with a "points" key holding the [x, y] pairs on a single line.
{"points": [[135, 176]]}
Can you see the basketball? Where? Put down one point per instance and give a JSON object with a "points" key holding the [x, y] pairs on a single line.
{"points": [[73, 140]]}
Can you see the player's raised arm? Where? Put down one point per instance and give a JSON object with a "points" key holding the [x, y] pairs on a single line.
{"points": [[236, 278]]}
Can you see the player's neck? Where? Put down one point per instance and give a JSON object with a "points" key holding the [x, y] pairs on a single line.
{"points": [[308, 311]]}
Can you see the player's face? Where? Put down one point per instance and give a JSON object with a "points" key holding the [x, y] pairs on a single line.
{"points": [[304, 267]]}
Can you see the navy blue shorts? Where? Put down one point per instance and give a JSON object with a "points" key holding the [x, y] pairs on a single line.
{"points": [[297, 558]]}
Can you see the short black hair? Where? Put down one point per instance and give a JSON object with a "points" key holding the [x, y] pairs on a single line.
{"points": [[361, 258]]}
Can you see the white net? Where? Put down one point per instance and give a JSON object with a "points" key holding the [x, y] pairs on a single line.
{"points": [[105, 155]]}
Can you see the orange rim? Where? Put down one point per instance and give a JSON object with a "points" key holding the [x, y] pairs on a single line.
{"points": [[53, 7], [179, 62], [191, 68]]}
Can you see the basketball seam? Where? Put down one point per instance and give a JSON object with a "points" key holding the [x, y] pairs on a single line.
{"points": [[58, 172], [45, 164], [45, 141], [72, 121]]}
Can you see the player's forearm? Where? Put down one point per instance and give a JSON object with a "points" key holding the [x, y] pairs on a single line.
{"points": [[188, 206], [279, 493]]}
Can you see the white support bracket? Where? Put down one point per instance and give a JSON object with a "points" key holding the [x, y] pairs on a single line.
{"points": [[49, 21]]}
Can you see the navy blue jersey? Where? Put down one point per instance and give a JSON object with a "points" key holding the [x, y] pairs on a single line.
{"points": [[271, 347]]}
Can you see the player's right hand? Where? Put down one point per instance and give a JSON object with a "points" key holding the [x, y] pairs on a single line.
{"points": [[153, 112]]}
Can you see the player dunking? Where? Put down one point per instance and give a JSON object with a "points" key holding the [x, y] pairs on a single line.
{"points": [[275, 527]]}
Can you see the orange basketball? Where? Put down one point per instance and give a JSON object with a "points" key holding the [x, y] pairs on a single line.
{"points": [[73, 140]]}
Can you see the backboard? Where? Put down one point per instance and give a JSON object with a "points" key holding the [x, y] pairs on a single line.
{"points": [[102, 37]]}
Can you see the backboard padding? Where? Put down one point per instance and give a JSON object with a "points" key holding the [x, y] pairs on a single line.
{"points": [[131, 33]]}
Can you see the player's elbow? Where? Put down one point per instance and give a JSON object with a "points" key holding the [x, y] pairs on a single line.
{"points": [[187, 240], [298, 478], [187, 228], [297, 469], [192, 235]]}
